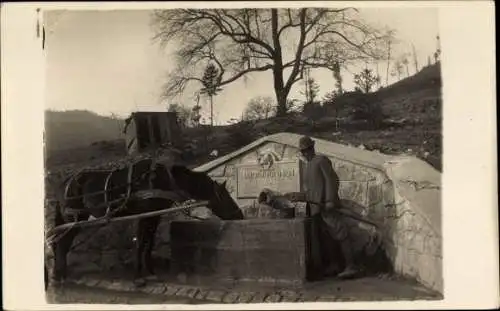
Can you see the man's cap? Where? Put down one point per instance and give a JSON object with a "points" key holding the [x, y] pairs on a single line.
{"points": [[305, 142]]}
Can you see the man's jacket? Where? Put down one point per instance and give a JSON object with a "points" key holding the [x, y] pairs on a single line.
{"points": [[321, 184]]}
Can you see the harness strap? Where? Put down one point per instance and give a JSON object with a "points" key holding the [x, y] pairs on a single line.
{"points": [[129, 179], [175, 186], [106, 193]]}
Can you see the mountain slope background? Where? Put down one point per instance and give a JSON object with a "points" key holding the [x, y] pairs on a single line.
{"points": [[403, 118]]}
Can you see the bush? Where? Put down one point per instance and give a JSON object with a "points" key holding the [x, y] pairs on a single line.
{"points": [[241, 133], [313, 111], [368, 108]]}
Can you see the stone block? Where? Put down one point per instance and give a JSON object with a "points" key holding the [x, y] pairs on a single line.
{"points": [[245, 297], [343, 169], [375, 198], [231, 297], [354, 191], [273, 298], [258, 297], [155, 288], [361, 173], [290, 152], [218, 171], [248, 249], [201, 294], [215, 295], [171, 290]]}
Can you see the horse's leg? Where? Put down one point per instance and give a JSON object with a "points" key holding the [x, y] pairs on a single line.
{"points": [[61, 250], [139, 250], [150, 237], [63, 246]]}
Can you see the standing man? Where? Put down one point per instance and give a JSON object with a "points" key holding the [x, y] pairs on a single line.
{"points": [[321, 194]]}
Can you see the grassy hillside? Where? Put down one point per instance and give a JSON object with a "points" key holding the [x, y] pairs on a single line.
{"points": [[404, 118], [78, 128]]}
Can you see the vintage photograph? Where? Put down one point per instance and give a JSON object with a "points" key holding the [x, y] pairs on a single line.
{"points": [[242, 155]]}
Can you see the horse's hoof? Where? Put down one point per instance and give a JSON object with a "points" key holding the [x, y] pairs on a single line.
{"points": [[140, 282]]}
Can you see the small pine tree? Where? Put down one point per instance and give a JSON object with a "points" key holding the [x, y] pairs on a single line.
{"points": [[211, 79], [365, 80]]}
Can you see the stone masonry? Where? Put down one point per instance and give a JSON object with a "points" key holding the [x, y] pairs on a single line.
{"points": [[401, 194]]}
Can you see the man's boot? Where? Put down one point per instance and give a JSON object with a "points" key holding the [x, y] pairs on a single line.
{"points": [[350, 270]]}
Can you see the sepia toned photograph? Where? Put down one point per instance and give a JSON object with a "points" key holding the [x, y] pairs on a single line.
{"points": [[242, 155]]}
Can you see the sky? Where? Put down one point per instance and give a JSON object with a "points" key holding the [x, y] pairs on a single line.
{"points": [[106, 62]]}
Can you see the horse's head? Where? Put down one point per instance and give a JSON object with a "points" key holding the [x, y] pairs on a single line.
{"points": [[199, 186], [222, 204]]}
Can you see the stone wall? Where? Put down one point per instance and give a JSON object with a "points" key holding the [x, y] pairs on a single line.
{"points": [[264, 250], [400, 194]]}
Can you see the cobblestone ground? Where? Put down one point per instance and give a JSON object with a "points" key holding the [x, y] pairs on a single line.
{"points": [[114, 288], [73, 293]]}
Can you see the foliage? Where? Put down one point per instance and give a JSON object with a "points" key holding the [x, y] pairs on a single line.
{"points": [[196, 115], [312, 90], [183, 114], [397, 69], [259, 108], [367, 107], [338, 78], [313, 111], [244, 41], [366, 80], [241, 133], [210, 80]]}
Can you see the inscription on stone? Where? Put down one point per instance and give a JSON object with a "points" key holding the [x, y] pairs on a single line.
{"points": [[281, 176]]}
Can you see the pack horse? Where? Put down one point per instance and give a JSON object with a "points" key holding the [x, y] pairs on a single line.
{"points": [[144, 186]]}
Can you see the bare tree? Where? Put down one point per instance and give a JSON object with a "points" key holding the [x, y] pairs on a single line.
{"points": [[405, 63], [259, 108], [243, 41], [311, 88], [397, 69], [415, 58], [388, 62]]}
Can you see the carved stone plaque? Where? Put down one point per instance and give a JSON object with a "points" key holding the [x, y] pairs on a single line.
{"points": [[281, 176]]}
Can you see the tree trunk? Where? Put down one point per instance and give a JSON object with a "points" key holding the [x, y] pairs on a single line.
{"points": [[281, 99], [211, 111], [279, 85]]}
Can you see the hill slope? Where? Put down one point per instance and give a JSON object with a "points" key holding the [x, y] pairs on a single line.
{"points": [[78, 128], [410, 113]]}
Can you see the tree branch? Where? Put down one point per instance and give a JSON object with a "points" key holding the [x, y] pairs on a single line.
{"points": [[298, 54], [290, 23], [244, 72]]}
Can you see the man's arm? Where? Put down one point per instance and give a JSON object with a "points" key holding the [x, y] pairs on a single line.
{"points": [[295, 196], [331, 182]]}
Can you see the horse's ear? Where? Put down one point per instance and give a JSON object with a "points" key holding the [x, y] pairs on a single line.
{"points": [[224, 183]]}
